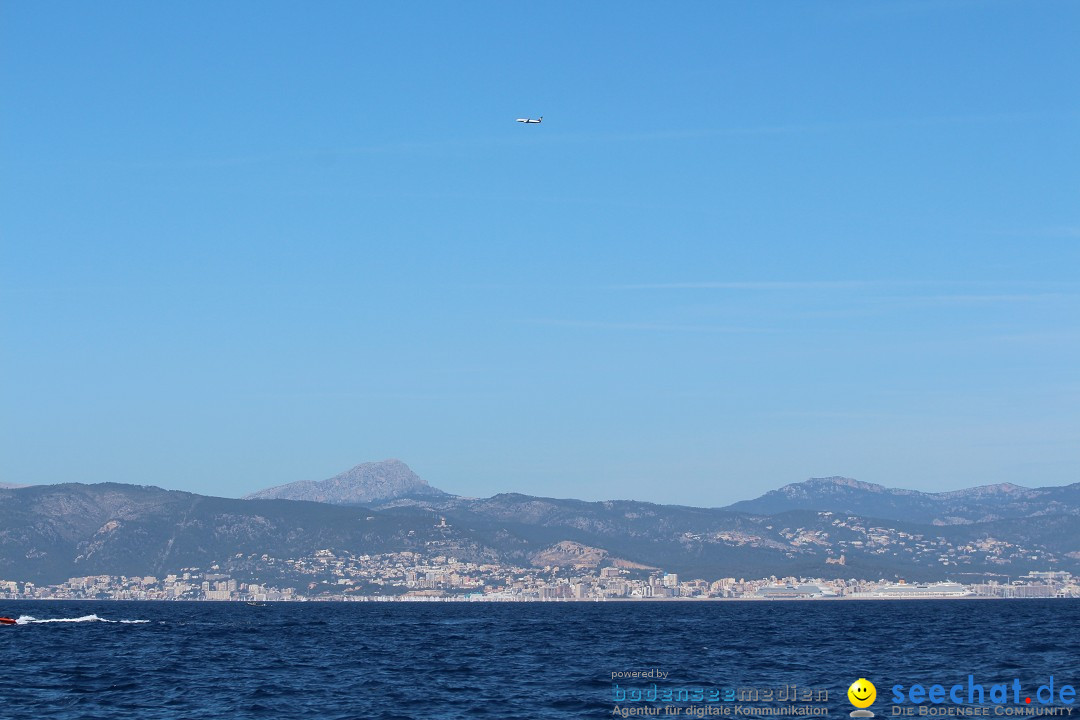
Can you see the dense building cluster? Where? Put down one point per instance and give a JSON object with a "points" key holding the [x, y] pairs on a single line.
{"points": [[329, 575]]}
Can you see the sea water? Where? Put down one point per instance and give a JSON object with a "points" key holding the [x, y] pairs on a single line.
{"points": [[87, 660]]}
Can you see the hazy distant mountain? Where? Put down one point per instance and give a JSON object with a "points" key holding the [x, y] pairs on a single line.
{"points": [[365, 483], [974, 505], [9, 486]]}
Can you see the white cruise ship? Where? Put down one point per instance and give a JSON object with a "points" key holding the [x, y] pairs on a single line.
{"points": [[918, 590]]}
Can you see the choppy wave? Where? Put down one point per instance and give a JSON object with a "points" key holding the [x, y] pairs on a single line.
{"points": [[31, 620]]}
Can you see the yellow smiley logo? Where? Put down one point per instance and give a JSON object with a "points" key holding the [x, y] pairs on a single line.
{"points": [[862, 693]]}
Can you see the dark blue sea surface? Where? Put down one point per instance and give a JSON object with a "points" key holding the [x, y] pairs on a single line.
{"points": [[507, 660]]}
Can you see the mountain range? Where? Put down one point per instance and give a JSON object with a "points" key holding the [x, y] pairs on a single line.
{"points": [[823, 527], [983, 504]]}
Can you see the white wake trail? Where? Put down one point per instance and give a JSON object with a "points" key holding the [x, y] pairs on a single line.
{"points": [[31, 620]]}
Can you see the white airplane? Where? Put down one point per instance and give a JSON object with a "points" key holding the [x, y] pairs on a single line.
{"points": [[530, 121]]}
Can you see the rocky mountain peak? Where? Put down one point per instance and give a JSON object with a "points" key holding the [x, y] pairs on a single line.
{"points": [[834, 484], [363, 483]]}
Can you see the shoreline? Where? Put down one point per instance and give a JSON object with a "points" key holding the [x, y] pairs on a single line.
{"points": [[566, 601]]}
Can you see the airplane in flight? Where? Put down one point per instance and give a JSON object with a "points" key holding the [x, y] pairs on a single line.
{"points": [[530, 121]]}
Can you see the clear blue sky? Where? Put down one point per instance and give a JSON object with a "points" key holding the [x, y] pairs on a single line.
{"points": [[250, 243]]}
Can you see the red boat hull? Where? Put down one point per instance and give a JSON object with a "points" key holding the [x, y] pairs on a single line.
{"points": [[7, 621]]}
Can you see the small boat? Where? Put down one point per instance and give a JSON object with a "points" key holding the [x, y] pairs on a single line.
{"points": [[257, 604], [8, 621]]}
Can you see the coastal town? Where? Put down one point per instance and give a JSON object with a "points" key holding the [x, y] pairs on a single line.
{"points": [[327, 575]]}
